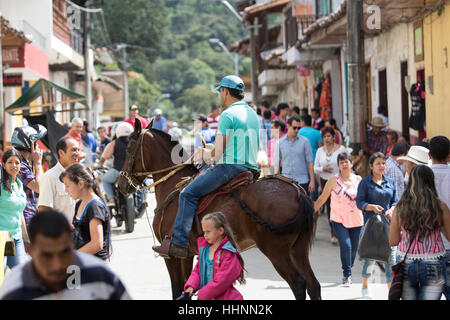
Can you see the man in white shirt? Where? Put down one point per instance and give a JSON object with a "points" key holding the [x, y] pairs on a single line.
{"points": [[439, 154], [54, 195]]}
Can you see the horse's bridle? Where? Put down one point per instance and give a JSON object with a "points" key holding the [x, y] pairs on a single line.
{"points": [[131, 177]]}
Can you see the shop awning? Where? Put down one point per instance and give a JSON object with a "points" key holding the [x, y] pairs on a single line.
{"points": [[271, 6], [46, 90]]}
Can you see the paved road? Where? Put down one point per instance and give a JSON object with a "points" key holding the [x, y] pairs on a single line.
{"points": [[146, 277]]}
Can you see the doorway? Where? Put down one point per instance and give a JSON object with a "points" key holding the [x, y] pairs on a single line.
{"points": [[405, 100], [382, 90]]}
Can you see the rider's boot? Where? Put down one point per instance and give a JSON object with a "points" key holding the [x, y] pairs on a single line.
{"points": [[168, 249]]}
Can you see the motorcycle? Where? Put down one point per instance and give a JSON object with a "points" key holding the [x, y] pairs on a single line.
{"points": [[124, 208]]}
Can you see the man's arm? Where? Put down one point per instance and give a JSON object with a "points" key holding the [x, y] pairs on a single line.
{"points": [[220, 144], [107, 153]]}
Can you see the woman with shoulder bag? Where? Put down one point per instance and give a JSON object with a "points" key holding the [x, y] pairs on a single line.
{"points": [[12, 202], [91, 221], [346, 219], [417, 221], [376, 195]]}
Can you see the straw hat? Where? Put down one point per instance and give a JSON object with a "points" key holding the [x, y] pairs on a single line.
{"points": [[377, 122]]}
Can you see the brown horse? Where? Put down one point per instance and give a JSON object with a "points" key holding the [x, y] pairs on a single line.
{"points": [[270, 213]]}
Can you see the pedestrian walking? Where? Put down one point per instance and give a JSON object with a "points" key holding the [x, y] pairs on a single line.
{"points": [[392, 138], [439, 154], [91, 220], [24, 140], [326, 166], [54, 196], [393, 166], [345, 217], [12, 202], [338, 136], [89, 139], [159, 121], [295, 152], [315, 139], [377, 140], [377, 194], [219, 263], [133, 112], [75, 131], [175, 132], [56, 271], [104, 139], [316, 122], [213, 118], [416, 225]]}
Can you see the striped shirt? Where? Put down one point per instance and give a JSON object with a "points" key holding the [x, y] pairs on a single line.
{"points": [[26, 175], [96, 282], [213, 123], [431, 247], [394, 171]]}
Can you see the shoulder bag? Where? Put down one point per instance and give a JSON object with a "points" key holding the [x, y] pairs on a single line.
{"points": [[395, 292]]}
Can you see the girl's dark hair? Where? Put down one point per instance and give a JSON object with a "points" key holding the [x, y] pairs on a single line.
{"points": [[77, 172], [5, 176], [220, 221], [326, 130], [419, 210], [279, 124], [344, 156]]}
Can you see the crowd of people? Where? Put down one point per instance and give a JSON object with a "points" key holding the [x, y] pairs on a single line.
{"points": [[409, 185]]}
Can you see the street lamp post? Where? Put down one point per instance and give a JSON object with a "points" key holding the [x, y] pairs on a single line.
{"points": [[235, 59]]}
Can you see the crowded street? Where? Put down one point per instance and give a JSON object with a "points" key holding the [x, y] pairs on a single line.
{"points": [[225, 150]]}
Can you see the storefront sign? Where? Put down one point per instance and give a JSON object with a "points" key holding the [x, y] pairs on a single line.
{"points": [[12, 80]]}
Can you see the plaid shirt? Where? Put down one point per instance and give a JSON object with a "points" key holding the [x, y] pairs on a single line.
{"points": [[26, 175], [377, 143], [394, 171]]}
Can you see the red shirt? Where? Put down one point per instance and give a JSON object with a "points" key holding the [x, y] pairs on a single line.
{"points": [[76, 137], [143, 121]]}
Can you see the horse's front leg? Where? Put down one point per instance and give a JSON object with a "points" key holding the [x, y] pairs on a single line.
{"points": [[179, 271]]}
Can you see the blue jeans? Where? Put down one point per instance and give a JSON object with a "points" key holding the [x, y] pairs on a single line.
{"points": [[369, 263], [207, 182], [447, 275], [348, 244], [20, 257], [108, 181], [424, 279]]}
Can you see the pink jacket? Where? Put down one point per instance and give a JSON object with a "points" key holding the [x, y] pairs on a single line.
{"points": [[226, 270]]}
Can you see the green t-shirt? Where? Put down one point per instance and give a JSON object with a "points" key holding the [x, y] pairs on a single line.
{"points": [[240, 124], [11, 208]]}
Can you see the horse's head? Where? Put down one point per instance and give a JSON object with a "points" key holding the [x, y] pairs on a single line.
{"points": [[134, 163]]}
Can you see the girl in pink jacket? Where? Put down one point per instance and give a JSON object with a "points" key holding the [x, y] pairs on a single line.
{"points": [[219, 263]]}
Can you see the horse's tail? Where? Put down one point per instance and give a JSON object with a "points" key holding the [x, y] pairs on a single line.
{"points": [[302, 222]]}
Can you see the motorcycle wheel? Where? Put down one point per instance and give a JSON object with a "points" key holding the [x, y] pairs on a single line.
{"points": [[129, 214]]}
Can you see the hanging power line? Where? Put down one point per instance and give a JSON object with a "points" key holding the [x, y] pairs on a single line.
{"points": [[94, 10]]}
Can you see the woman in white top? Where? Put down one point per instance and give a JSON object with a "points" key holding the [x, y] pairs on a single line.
{"points": [[326, 165]]}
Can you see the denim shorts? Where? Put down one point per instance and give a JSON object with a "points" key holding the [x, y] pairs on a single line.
{"points": [[424, 279]]}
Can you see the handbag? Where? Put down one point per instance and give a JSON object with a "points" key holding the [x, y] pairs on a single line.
{"points": [[374, 243], [395, 292]]}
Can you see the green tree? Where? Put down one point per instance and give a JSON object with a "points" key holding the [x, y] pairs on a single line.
{"points": [[198, 99]]}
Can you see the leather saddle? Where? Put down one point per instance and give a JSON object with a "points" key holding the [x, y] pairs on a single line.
{"points": [[241, 179]]}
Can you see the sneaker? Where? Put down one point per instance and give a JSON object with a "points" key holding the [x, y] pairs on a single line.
{"points": [[334, 240], [366, 293], [346, 281]]}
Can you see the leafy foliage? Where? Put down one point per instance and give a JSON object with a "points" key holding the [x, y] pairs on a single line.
{"points": [[180, 60]]}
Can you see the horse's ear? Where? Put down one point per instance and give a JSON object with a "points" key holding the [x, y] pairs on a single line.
{"points": [[150, 125], [137, 127]]}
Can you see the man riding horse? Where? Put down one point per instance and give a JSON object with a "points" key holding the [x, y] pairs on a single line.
{"points": [[236, 150]]}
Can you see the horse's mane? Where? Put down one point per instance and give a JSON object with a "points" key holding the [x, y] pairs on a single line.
{"points": [[170, 143]]}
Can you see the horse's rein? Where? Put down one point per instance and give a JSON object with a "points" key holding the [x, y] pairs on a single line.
{"points": [[174, 168]]}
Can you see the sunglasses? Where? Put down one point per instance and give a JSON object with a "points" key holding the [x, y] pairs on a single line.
{"points": [[296, 128]]}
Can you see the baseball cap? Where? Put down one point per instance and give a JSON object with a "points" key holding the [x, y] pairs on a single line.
{"points": [[232, 82], [134, 107], [418, 155], [157, 112]]}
